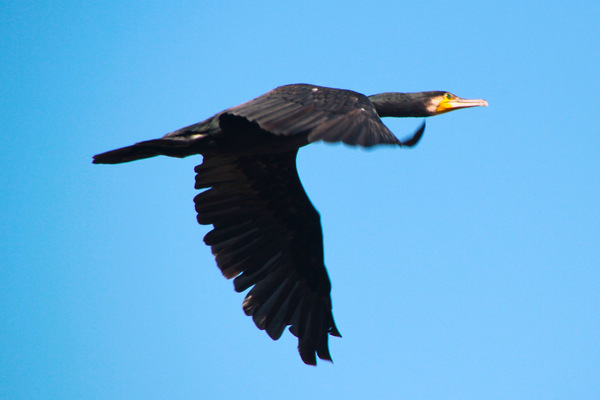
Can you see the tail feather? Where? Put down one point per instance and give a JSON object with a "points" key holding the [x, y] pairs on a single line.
{"points": [[149, 148]]}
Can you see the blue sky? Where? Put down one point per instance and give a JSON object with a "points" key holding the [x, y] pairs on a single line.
{"points": [[465, 268]]}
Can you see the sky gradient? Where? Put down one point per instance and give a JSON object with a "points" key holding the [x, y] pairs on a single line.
{"points": [[464, 268]]}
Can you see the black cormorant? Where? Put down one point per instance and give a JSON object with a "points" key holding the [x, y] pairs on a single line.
{"points": [[267, 234]]}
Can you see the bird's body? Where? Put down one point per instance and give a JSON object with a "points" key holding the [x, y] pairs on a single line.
{"points": [[267, 235]]}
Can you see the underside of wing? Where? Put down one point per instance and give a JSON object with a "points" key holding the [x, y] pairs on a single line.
{"points": [[331, 115], [267, 235]]}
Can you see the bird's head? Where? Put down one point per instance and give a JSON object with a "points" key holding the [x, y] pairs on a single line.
{"points": [[443, 102]]}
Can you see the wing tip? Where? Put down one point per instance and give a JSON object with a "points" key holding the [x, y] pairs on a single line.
{"points": [[414, 139]]}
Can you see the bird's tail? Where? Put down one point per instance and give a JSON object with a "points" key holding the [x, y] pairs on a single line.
{"points": [[171, 147]]}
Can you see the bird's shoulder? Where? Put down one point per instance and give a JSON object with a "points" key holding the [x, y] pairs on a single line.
{"points": [[323, 98], [303, 99]]}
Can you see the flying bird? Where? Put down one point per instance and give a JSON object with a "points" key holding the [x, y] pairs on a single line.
{"points": [[266, 233]]}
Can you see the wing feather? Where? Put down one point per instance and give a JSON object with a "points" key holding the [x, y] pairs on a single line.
{"points": [[267, 235], [331, 115]]}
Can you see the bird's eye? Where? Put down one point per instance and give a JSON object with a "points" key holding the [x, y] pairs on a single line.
{"points": [[448, 96]]}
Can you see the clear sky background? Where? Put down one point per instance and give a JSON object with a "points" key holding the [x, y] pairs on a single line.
{"points": [[465, 268]]}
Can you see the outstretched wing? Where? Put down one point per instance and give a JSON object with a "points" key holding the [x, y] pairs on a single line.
{"points": [[268, 235], [331, 115]]}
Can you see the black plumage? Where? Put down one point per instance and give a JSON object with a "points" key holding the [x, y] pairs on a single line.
{"points": [[267, 234]]}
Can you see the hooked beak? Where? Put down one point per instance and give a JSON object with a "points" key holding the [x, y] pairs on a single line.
{"points": [[456, 103]]}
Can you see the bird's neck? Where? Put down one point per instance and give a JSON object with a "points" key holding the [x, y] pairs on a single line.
{"points": [[400, 105]]}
